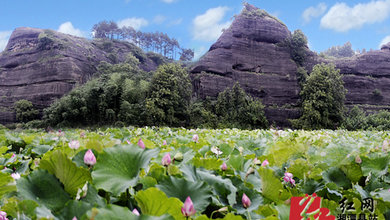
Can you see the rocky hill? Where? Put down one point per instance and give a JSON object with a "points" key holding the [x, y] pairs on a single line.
{"points": [[253, 52], [43, 65]]}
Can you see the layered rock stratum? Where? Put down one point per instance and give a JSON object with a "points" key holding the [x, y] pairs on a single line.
{"points": [[43, 65], [253, 52]]}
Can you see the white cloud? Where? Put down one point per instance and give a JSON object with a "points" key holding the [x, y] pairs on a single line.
{"points": [[314, 12], [159, 19], [343, 18], [134, 22], [208, 26], [168, 1], [385, 41], [67, 28], [4, 36]]}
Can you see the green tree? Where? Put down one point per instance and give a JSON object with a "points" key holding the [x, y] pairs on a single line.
{"points": [[236, 109], [298, 46], [170, 94], [339, 51], [25, 111], [323, 98]]}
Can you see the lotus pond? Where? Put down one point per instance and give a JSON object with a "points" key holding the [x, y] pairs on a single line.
{"points": [[166, 173]]}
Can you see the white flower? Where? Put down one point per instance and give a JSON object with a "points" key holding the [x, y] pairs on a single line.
{"points": [[16, 176], [216, 150]]}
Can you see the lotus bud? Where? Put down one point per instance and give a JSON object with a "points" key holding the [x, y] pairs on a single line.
{"points": [[223, 166], [16, 176], [265, 163], [166, 160], [288, 178], [246, 202], [89, 158], [74, 144], [178, 156], [358, 159], [141, 144], [195, 138], [128, 142], [74, 218], [3, 215], [223, 209], [135, 212], [188, 208], [164, 142]]}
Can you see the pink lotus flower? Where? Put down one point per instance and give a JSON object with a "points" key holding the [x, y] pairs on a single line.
{"points": [[288, 178], [74, 144], [265, 163], [135, 212], [74, 218], [256, 161], [164, 142], [166, 160], [188, 208], [16, 176], [89, 158], [195, 138], [246, 202], [223, 166], [3, 215], [141, 144]]}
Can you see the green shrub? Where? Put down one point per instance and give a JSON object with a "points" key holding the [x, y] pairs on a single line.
{"points": [[25, 111], [236, 109], [355, 120], [379, 121]]}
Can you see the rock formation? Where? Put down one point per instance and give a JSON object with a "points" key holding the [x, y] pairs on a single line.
{"points": [[43, 65], [253, 52]]}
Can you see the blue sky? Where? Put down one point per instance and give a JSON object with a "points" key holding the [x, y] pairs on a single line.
{"points": [[196, 24]]}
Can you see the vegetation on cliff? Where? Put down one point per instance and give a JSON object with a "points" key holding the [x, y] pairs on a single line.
{"points": [[156, 42]]}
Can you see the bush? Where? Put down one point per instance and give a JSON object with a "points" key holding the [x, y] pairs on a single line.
{"points": [[25, 111], [379, 121], [323, 98], [355, 120], [236, 109], [201, 115]]}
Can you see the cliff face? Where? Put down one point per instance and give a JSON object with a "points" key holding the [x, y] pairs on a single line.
{"points": [[43, 65], [252, 53]]}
